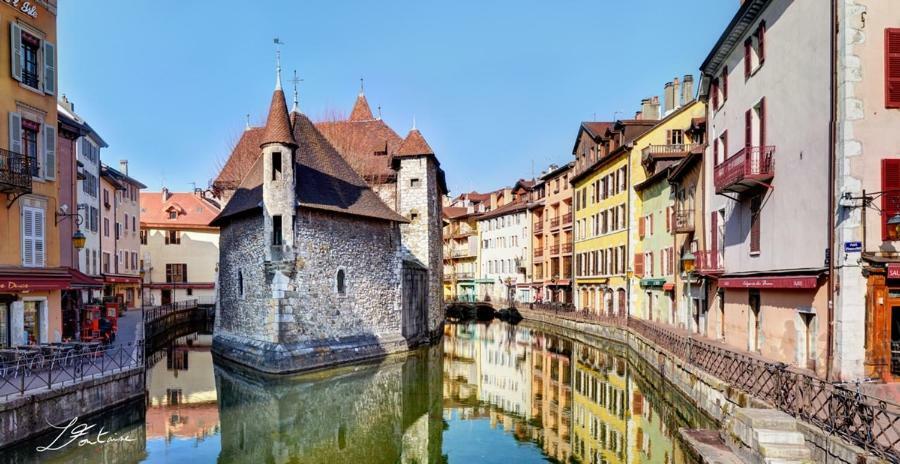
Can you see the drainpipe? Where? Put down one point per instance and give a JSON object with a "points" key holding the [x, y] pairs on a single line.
{"points": [[832, 156]]}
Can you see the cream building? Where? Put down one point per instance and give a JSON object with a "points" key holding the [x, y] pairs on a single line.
{"points": [[179, 250]]}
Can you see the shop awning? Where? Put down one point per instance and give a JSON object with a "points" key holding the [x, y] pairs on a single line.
{"points": [[82, 280], [669, 287], [121, 279], [652, 282], [18, 279], [778, 282]]}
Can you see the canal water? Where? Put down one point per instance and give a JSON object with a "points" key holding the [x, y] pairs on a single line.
{"points": [[489, 393]]}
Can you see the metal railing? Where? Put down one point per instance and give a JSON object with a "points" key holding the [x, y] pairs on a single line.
{"points": [[554, 222], [158, 312], [35, 369], [749, 163], [16, 171], [672, 149], [709, 261], [867, 421]]}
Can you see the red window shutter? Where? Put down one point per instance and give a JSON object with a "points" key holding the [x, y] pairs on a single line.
{"points": [[638, 265], [762, 122], [755, 205], [715, 94], [892, 68], [748, 50], [890, 202], [671, 260], [641, 227], [725, 145], [748, 129], [715, 152], [668, 220], [714, 238], [725, 83], [761, 38]]}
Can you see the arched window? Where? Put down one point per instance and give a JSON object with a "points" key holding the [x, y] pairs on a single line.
{"points": [[341, 284]]}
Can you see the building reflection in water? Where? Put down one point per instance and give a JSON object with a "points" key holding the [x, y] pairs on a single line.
{"points": [[389, 412], [578, 402], [182, 391]]}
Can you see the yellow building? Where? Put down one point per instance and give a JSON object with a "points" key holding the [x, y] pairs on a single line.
{"points": [[461, 245], [601, 184], [656, 258], [30, 274], [601, 419]]}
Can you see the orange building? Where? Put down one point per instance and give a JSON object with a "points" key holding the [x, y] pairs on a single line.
{"points": [[30, 274], [551, 215]]}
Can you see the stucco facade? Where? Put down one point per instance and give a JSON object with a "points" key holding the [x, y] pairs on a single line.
{"points": [[505, 238]]}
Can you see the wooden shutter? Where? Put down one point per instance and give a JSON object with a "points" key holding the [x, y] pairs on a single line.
{"points": [[715, 152], [671, 260], [15, 50], [761, 39], [641, 227], [755, 206], [762, 123], [15, 132], [748, 62], [725, 145], [49, 68], [725, 83], [715, 94], [27, 236], [714, 239], [668, 220], [49, 152], [638, 265], [892, 68], [748, 129], [890, 201]]}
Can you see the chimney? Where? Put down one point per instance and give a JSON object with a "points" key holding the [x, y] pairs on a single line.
{"points": [[67, 104], [669, 97], [639, 115], [165, 194], [650, 109], [676, 91], [123, 166], [687, 88], [493, 200]]}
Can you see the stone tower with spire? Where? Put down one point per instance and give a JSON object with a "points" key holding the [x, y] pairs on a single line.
{"points": [[419, 190], [279, 201]]}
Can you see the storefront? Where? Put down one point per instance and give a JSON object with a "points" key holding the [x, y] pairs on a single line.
{"points": [[83, 289], [125, 288], [882, 320], [30, 304]]}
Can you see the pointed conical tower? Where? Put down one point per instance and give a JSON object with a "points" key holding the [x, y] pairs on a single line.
{"points": [[279, 198], [420, 186], [361, 110]]}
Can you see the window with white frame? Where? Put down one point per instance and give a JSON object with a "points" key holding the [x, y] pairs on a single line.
{"points": [[33, 244]]}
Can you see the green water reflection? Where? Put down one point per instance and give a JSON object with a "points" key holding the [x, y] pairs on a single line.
{"points": [[487, 393]]}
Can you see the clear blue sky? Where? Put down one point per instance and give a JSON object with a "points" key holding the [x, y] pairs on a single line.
{"points": [[493, 85]]}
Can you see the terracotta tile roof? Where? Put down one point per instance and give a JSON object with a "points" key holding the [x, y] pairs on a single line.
{"points": [[365, 145], [361, 110], [192, 209], [278, 124], [453, 212], [414, 145], [509, 208], [596, 129], [242, 158], [325, 181]]}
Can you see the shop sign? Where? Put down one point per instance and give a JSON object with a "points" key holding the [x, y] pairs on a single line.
{"points": [[785, 282], [25, 7], [12, 285], [893, 271]]}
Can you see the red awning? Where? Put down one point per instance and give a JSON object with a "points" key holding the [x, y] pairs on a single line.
{"points": [[669, 287], [783, 282], [17, 279], [121, 279], [182, 285], [82, 280]]}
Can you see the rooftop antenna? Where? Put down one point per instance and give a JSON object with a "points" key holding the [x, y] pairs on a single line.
{"points": [[278, 44], [248, 121], [296, 81], [193, 185], [615, 113], [362, 87]]}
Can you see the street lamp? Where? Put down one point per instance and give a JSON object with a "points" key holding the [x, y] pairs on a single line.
{"points": [[78, 239], [894, 222]]}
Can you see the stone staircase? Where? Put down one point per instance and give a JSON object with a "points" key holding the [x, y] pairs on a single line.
{"points": [[766, 436]]}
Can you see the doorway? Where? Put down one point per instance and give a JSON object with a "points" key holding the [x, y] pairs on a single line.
{"points": [[753, 322], [4, 325], [166, 297]]}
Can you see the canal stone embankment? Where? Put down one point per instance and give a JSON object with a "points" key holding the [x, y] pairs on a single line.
{"points": [[713, 396]]}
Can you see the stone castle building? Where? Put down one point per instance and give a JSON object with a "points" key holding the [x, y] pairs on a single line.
{"points": [[325, 258]]}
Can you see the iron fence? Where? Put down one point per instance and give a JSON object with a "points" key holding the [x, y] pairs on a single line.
{"points": [[158, 312], [33, 369], [842, 409]]}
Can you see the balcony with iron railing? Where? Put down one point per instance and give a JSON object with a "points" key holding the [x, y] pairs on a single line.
{"points": [[709, 262], [462, 253], [539, 227], [567, 220], [675, 149], [748, 169], [684, 221], [566, 247], [554, 223], [16, 171], [554, 250]]}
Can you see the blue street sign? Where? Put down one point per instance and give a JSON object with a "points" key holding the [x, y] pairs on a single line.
{"points": [[852, 247]]}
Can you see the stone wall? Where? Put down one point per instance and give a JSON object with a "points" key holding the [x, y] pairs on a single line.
{"points": [[30, 416], [423, 236], [242, 253]]}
